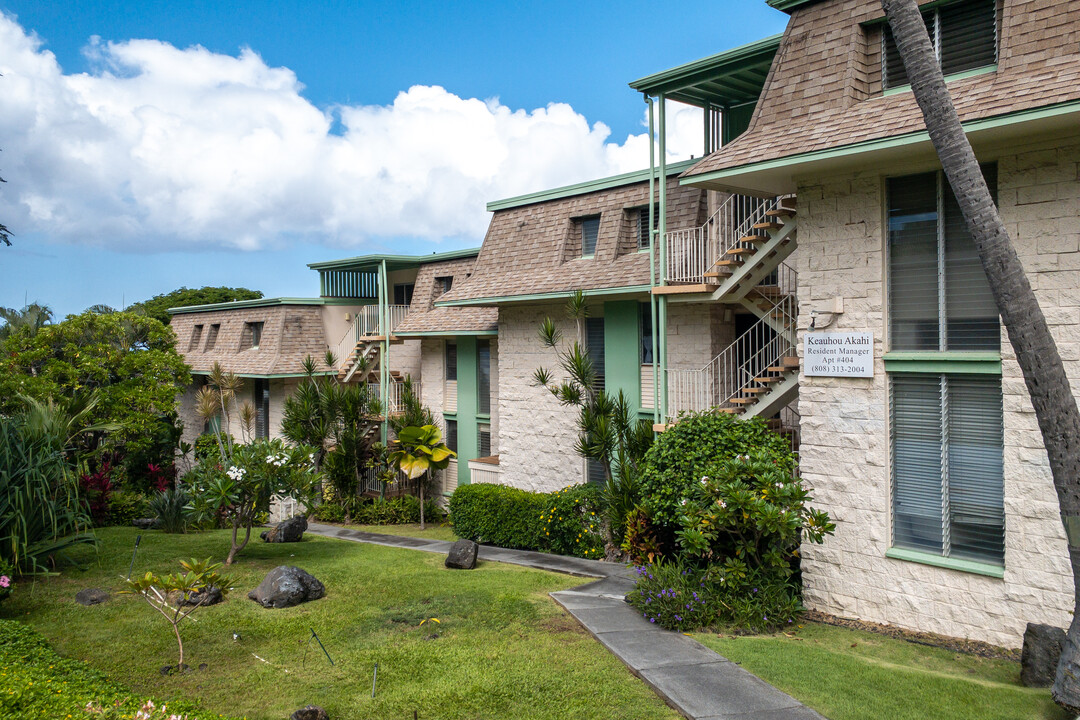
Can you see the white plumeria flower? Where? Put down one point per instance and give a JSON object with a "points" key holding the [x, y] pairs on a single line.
{"points": [[721, 503], [704, 479]]}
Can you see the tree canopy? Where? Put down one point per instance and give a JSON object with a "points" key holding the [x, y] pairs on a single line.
{"points": [[130, 359], [157, 307]]}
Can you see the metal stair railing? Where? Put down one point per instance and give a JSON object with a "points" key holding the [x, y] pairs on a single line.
{"points": [[692, 252], [749, 356]]}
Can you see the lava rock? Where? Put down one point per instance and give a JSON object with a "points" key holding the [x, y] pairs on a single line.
{"points": [[1039, 658], [91, 596], [291, 530], [310, 712], [462, 555], [146, 523], [210, 596], [286, 586]]}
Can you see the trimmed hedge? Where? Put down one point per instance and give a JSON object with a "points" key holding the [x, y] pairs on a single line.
{"points": [[36, 682], [498, 515], [565, 522]]}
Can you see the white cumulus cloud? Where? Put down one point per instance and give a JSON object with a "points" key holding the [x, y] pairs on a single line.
{"points": [[159, 147]]}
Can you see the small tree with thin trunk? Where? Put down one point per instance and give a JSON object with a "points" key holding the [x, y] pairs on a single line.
{"points": [[1036, 352], [416, 452], [186, 593]]}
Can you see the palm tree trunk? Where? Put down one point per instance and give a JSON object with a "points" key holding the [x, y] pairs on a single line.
{"points": [[1036, 352]]}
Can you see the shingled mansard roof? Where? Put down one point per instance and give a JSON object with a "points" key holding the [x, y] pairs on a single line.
{"points": [[290, 333], [426, 319], [533, 247], [824, 89]]}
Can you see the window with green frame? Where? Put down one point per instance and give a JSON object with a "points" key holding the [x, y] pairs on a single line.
{"points": [[963, 34], [944, 367]]}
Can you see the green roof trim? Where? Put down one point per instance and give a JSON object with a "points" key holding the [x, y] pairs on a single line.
{"points": [[588, 186], [894, 141], [447, 333], [789, 5], [272, 376], [557, 295], [397, 261], [263, 302], [733, 77]]}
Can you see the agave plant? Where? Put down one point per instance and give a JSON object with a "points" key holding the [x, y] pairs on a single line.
{"points": [[419, 450]]}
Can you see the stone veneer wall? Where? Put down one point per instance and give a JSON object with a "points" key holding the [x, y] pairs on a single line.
{"points": [[536, 434], [845, 437]]}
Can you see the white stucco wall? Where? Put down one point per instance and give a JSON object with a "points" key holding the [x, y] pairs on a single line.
{"points": [[845, 436]]}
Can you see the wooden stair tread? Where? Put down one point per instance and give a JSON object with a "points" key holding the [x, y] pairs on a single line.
{"points": [[768, 379], [790, 361], [780, 211], [754, 239], [728, 263], [737, 251], [767, 226], [780, 369], [755, 390], [682, 289], [717, 274], [743, 400]]}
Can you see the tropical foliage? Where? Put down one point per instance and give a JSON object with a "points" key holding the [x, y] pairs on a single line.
{"points": [[32, 317], [238, 486], [417, 452], [157, 307], [176, 596]]}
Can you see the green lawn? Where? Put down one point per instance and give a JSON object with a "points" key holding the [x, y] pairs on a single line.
{"points": [[852, 675], [503, 648], [431, 531]]}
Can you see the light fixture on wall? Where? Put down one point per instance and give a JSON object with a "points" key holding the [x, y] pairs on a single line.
{"points": [[835, 307]]}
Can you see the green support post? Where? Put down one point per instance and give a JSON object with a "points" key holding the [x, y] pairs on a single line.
{"points": [[654, 241], [661, 351], [384, 355]]}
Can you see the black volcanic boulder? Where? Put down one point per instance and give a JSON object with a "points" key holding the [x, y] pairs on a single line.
{"points": [[1039, 659], [291, 530], [286, 586], [462, 555]]}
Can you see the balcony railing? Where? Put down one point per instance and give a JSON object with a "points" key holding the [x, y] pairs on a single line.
{"points": [[395, 395], [693, 252]]}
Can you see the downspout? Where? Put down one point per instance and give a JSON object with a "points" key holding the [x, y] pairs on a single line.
{"points": [[384, 356], [661, 235], [654, 240]]}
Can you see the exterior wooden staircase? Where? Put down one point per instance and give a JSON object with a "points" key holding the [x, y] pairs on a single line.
{"points": [[757, 375]]}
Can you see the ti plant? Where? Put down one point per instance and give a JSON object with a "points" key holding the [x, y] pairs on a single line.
{"points": [[200, 576], [215, 402], [418, 451]]}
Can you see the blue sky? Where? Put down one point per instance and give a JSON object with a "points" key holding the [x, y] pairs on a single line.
{"points": [[137, 164]]}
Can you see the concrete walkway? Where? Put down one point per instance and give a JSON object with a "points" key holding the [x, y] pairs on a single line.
{"points": [[691, 678]]}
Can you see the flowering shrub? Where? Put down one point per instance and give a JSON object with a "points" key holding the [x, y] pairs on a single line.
{"points": [[572, 522], [679, 597], [7, 580], [238, 490], [750, 515]]}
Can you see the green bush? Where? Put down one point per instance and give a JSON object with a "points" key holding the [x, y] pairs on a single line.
{"points": [[331, 512], [695, 448], [206, 445], [170, 507], [401, 510], [750, 515], [499, 515], [39, 683], [680, 597], [125, 506], [566, 522], [572, 522]]}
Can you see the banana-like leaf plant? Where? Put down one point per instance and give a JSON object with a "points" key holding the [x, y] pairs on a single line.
{"points": [[418, 451]]}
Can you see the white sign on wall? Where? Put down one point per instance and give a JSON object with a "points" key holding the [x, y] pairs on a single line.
{"points": [[838, 354]]}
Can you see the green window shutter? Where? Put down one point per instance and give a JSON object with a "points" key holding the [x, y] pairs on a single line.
{"points": [[451, 434], [594, 345], [451, 361]]}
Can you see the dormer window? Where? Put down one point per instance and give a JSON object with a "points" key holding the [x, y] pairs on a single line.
{"points": [[590, 231], [252, 335], [644, 236], [211, 336], [196, 334], [964, 36], [443, 285]]}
